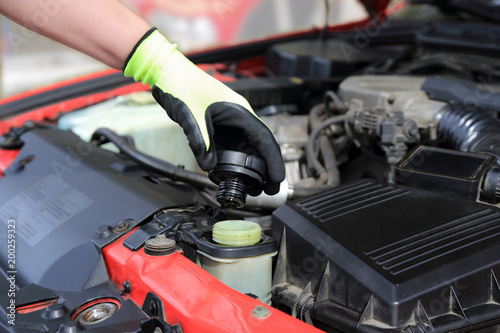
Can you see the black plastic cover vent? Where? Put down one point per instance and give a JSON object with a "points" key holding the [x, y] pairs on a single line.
{"points": [[368, 257], [428, 245], [352, 198]]}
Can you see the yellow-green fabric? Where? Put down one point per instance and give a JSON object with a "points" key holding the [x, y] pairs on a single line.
{"points": [[157, 62]]}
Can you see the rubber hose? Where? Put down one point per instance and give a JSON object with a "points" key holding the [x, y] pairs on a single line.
{"points": [[475, 131], [325, 147], [310, 144], [314, 121], [339, 105], [152, 163]]}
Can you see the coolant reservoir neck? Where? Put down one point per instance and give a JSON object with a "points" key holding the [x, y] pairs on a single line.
{"points": [[236, 233]]}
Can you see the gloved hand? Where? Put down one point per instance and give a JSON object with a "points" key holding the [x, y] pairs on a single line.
{"points": [[206, 109]]}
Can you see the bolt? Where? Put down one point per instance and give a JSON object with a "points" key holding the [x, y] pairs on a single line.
{"points": [[122, 226], [97, 313], [153, 308], [410, 129], [260, 312], [126, 287], [159, 246]]}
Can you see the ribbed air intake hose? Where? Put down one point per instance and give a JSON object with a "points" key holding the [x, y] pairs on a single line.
{"points": [[469, 130], [476, 131]]}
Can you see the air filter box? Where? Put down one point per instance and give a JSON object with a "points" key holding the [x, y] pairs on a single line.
{"points": [[368, 257]]}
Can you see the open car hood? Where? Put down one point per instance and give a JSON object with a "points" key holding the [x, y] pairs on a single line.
{"points": [[375, 6], [389, 220]]}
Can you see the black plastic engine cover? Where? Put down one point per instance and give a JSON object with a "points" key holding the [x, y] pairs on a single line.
{"points": [[324, 59], [67, 197], [370, 257]]}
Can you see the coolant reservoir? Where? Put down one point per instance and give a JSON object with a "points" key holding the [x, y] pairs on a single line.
{"points": [[236, 233], [139, 116], [250, 274]]}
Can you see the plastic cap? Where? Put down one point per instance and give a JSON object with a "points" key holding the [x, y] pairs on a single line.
{"points": [[236, 233]]}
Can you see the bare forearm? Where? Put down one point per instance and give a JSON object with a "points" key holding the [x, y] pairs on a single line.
{"points": [[103, 29]]}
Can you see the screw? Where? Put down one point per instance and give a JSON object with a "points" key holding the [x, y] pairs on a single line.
{"points": [[153, 308], [97, 313], [410, 129], [126, 287], [122, 226], [260, 312]]}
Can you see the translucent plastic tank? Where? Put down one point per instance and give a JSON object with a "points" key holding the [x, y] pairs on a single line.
{"points": [[247, 275], [139, 116]]}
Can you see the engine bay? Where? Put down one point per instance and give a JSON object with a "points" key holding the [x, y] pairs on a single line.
{"points": [[388, 220]]}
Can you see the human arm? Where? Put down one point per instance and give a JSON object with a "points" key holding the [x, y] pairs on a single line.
{"points": [[103, 29], [207, 110]]}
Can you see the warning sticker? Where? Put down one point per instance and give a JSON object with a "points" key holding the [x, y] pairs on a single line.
{"points": [[43, 207]]}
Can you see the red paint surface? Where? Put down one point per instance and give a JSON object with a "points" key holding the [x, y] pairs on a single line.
{"points": [[57, 86], [52, 111], [35, 306], [217, 71], [191, 296]]}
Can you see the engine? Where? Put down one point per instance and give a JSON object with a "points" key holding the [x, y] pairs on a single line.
{"points": [[388, 220]]}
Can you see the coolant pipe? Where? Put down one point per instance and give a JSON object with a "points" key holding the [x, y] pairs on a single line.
{"points": [[266, 201], [152, 163]]}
